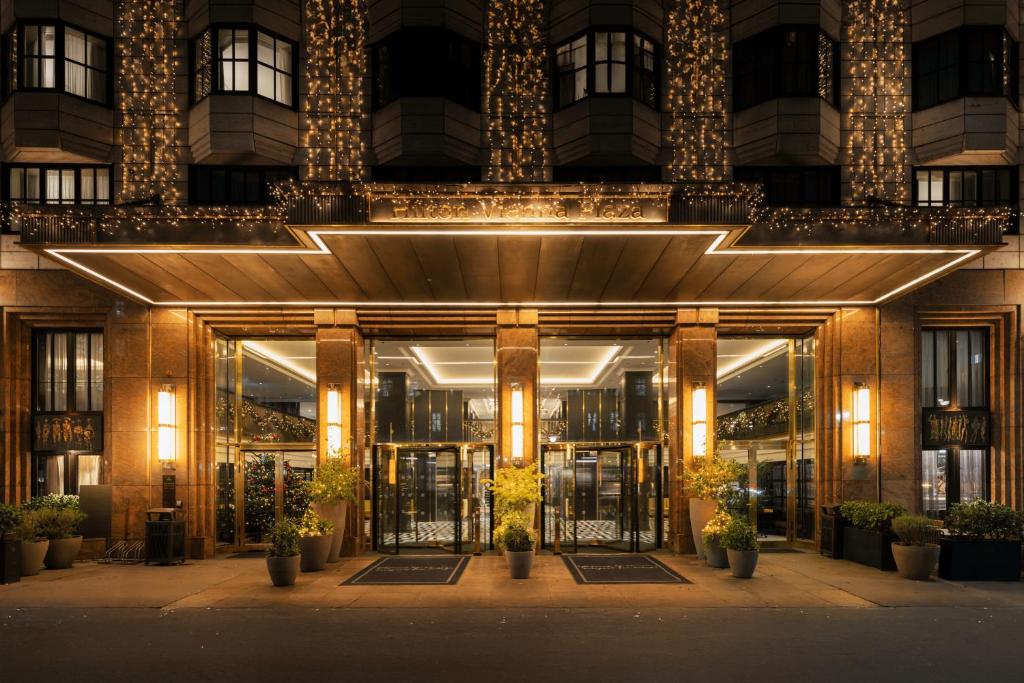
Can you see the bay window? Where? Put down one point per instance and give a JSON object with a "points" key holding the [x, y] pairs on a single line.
{"points": [[243, 60], [785, 61], [54, 56], [970, 61], [606, 62]]}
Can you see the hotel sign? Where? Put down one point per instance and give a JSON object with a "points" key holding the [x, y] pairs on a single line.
{"points": [[518, 209], [967, 428]]}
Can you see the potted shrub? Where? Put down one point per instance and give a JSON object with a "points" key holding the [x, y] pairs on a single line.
{"points": [[10, 544], [33, 545], [712, 537], [517, 540], [916, 552], [516, 493], [710, 484], [283, 552], [315, 537], [740, 542], [867, 532], [58, 518], [983, 543], [330, 492]]}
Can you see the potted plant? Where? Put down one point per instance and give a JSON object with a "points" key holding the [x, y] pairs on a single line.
{"points": [[58, 518], [33, 545], [984, 543], [10, 544], [712, 537], [916, 552], [518, 541], [740, 542], [330, 492], [867, 532], [315, 536], [283, 552], [710, 484], [516, 493]]}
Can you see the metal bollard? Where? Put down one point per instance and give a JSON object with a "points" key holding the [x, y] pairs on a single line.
{"points": [[476, 534], [558, 532]]}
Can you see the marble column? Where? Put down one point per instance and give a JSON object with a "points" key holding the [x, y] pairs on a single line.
{"points": [[692, 361], [339, 365], [517, 349]]}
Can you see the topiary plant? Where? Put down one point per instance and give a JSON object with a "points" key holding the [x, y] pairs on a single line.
{"points": [[984, 520], [716, 526], [712, 478], [515, 490], [313, 524], [866, 514], [739, 535], [334, 482], [915, 530], [284, 539], [516, 538]]}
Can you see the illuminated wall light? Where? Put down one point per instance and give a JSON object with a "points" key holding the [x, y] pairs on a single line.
{"points": [[861, 423], [518, 423], [166, 424], [333, 421], [699, 419]]}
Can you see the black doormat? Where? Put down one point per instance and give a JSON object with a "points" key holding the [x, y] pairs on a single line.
{"points": [[782, 549], [412, 570], [248, 555], [620, 569]]}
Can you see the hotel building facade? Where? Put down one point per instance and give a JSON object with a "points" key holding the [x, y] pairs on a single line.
{"points": [[435, 238]]}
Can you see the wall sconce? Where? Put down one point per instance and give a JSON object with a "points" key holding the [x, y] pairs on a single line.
{"points": [[333, 420], [861, 423], [518, 428], [699, 423], [166, 425]]}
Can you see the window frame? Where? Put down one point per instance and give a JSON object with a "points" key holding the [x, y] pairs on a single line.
{"points": [[631, 67], [5, 183], [214, 59], [833, 180], [1012, 171], [194, 184], [16, 37], [768, 46], [961, 37]]}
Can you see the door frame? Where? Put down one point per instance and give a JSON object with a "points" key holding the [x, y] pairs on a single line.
{"points": [[239, 452]]}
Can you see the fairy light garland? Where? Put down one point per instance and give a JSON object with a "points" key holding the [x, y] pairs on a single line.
{"points": [[334, 107], [696, 50], [147, 102], [516, 91], [876, 144]]}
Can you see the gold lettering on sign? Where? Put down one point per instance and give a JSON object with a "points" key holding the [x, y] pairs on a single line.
{"points": [[511, 210]]}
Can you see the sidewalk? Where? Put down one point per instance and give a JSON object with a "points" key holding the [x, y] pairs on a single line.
{"points": [[797, 580]]}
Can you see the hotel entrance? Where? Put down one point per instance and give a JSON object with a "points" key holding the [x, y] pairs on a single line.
{"points": [[601, 496], [432, 497]]}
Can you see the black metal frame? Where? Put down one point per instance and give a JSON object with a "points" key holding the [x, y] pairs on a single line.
{"points": [[773, 37], [253, 60], [5, 182], [946, 170], [963, 87], [630, 63]]}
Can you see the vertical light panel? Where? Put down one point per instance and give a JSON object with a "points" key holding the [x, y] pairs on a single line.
{"points": [[518, 426], [699, 421], [333, 421], [861, 423], [166, 424]]}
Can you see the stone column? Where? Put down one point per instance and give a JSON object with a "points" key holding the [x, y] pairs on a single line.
{"points": [[517, 349], [692, 360], [339, 363]]}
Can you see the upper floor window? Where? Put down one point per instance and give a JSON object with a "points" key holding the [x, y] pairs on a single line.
{"points": [[69, 371], [57, 184], [798, 186], [971, 61], [784, 61], [224, 61], [607, 174], [236, 184], [59, 57], [426, 62], [965, 186], [605, 62]]}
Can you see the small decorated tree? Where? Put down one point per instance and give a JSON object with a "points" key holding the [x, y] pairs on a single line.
{"points": [[516, 492]]}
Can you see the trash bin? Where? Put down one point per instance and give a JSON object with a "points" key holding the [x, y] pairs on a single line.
{"points": [[165, 536], [831, 532]]}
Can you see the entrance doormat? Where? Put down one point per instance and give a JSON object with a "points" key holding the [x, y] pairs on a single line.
{"points": [[780, 549], [620, 569], [411, 570]]}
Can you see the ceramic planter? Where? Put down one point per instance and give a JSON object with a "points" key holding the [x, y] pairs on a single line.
{"points": [[963, 559], [519, 563], [716, 555], [915, 562], [62, 552], [283, 570], [701, 511], [742, 563], [314, 551], [32, 554], [334, 513], [10, 561], [869, 547]]}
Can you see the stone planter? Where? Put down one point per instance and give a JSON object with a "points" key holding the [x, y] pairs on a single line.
{"points": [[701, 511], [915, 562], [334, 513], [10, 561], [32, 554], [742, 563], [314, 551], [283, 570], [964, 559], [717, 557], [62, 552], [519, 563], [869, 547]]}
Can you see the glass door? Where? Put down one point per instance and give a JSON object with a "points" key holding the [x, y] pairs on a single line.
{"points": [[475, 504], [274, 486], [648, 496]]}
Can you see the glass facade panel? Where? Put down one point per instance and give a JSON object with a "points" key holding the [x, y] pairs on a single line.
{"points": [[278, 403]]}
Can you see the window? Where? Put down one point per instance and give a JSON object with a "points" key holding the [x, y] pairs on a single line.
{"points": [[971, 61], [798, 186], [39, 56], [954, 375], [607, 174], [605, 62], [785, 61], [85, 65], [236, 184], [965, 186], [57, 184], [455, 173], [55, 56], [223, 61], [426, 62]]}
